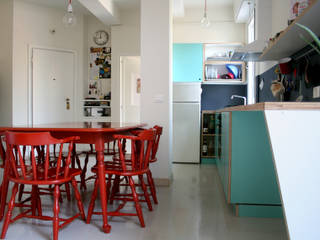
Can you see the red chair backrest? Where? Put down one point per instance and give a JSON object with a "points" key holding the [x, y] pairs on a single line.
{"points": [[141, 148], [29, 156], [156, 142]]}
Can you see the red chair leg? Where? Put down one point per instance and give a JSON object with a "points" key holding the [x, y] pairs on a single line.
{"points": [[152, 187], [21, 189], [145, 192], [83, 173], [78, 161], [77, 195], [4, 190], [109, 181], [136, 200], [39, 208], [92, 201], [115, 188], [9, 212], [68, 191], [34, 199], [56, 209]]}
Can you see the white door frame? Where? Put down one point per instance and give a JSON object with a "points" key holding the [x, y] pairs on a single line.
{"points": [[122, 115], [30, 79]]}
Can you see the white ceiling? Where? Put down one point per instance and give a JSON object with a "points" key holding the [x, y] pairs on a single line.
{"points": [[130, 4], [187, 3], [126, 4], [210, 3], [61, 4]]}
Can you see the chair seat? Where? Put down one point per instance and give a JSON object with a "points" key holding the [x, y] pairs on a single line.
{"points": [[128, 158], [111, 167], [40, 176]]}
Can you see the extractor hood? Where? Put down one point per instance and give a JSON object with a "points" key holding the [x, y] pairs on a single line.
{"points": [[250, 52]]}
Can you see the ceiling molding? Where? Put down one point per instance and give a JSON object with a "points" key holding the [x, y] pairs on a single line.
{"points": [[105, 10]]}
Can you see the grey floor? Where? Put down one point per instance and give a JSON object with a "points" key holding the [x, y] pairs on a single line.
{"points": [[192, 208]]}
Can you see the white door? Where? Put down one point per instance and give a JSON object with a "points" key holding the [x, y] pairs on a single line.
{"points": [[186, 132], [130, 88], [52, 86]]}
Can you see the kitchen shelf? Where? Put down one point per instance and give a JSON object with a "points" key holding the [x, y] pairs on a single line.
{"points": [[95, 100], [208, 156], [289, 41], [209, 82], [96, 106], [217, 80], [214, 70], [210, 133]]}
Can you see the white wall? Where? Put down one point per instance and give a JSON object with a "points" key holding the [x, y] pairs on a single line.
{"points": [[6, 26], [279, 21], [32, 24], [280, 15], [222, 28], [125, 42], [156, 87]]}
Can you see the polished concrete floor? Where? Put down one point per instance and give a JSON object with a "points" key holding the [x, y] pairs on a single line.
{"points": [[192, 208]]}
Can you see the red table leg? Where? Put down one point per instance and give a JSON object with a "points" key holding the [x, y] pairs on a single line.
{"points": [[99, 145]]}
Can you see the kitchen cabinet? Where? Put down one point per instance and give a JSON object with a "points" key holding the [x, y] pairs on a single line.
{"points": [[224, 72], [217, 67], [246, 166], [187, 62]]}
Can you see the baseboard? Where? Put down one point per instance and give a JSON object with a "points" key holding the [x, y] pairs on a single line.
{"points": [[260, 211], [162, 182]]}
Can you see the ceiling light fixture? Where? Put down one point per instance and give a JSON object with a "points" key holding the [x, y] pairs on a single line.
{"points": [[205, 22], [69, 19]]}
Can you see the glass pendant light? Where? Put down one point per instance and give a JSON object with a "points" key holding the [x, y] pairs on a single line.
{"points": [[69, 19], [205, 22]]}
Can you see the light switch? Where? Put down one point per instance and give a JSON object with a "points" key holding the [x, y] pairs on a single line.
{"points": [[158, 98]]}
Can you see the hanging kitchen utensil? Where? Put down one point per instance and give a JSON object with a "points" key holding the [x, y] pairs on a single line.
{"points": [[300, 97]]}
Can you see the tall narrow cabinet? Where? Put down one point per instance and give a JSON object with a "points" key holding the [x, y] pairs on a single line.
{"points": [[210, 132]]}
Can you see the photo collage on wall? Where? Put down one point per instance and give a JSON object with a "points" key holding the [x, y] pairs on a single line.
{"points": [[99, 69], [100, 63]]}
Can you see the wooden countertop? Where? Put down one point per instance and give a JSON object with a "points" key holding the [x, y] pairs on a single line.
{"points": [[274, 106]]}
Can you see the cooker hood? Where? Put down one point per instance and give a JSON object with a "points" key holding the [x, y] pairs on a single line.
{"points": [[250, 52]]}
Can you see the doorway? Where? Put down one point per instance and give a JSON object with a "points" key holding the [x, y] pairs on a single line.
{"points": [[130, 85], [52, 86]]}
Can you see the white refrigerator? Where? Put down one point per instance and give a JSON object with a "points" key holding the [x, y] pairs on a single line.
{"points": [[186, 122]]}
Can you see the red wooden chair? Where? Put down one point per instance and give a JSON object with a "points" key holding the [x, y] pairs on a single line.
{"points": [[141, 147], [52, 162], [109, 151], [36, 170], [2, 153], [115, 195]]}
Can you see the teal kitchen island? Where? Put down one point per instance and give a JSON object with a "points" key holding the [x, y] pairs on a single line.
{"points": [[245, 160]]}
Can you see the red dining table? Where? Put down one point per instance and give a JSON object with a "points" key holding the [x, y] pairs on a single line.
{"points": [[96, 133]]}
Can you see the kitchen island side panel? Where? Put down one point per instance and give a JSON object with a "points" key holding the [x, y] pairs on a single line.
{"points": [[253, 179], [223, 159]]}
